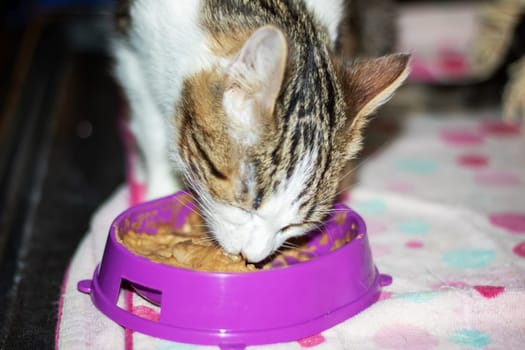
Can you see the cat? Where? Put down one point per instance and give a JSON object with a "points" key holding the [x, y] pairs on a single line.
{"points": [[248, 103]]}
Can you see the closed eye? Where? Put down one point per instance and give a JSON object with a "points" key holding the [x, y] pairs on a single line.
{"points": [[288, 227], [305, 225]]}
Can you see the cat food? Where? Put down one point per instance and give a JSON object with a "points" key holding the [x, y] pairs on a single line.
{"points": [[192, 250], [191, 247]]}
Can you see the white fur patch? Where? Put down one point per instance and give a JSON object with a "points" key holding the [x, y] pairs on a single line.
{"points": [[329, 13], [170, 46], [242, 127], [256, 234], [165, 46]]}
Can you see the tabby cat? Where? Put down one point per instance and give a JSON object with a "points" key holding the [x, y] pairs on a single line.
{"points": [[247, 101]]}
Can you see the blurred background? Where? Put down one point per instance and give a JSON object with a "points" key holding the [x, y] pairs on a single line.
{"points": [[60, 152]]}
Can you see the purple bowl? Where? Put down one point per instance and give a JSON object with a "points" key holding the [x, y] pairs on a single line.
{"points": [[235, 310]]}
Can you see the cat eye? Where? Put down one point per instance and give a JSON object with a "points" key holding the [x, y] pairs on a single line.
{"points": [[306, 224], [288, 227], [257, 200]]}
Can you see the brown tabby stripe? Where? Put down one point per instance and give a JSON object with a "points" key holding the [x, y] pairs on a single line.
{"points": [[211, 167], [310, 102]]}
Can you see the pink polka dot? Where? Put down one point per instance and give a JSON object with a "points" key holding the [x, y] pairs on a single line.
{"points": [[311, 341], [512, 222], [400, 186], [519, 249], [405, 337], [497, 178], [500, 128], [453, 63], [473, 160], [414, 244], [489, 292], [461, 137]]}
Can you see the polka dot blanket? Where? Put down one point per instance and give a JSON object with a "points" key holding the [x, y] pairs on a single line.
{"points": [[445, 209]]}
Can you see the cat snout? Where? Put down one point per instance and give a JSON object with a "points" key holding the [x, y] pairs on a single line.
{"points": [[250, 235], [255, 254], [258, 247]]}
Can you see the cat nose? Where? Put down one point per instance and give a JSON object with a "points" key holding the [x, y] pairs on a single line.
{"points": [[255, 253], [253, 258]]}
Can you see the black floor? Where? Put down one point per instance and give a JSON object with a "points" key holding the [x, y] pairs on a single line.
{"points": [[60, 157]]}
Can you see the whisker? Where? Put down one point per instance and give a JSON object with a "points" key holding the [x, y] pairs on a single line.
{"points": [[277, 252], [352, 170], [201, 201], [316, 226], [290, 245], [206, 236], [206, 241], [329, 211], [193, 209]]}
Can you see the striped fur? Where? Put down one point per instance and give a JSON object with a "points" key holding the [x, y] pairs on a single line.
{"points": [[270, 170]]}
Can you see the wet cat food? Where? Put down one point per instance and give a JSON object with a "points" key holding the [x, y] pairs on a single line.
{"points": [[191, 247], [192, 250]]}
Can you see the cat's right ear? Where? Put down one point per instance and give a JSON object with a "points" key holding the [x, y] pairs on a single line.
{"points": [[254, 80]]}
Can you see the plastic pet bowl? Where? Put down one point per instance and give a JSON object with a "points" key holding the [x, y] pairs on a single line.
{"points": [[235, 310]]}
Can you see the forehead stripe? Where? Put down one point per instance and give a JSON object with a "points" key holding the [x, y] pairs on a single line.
{"points": [[211, 167], [258, 199]]}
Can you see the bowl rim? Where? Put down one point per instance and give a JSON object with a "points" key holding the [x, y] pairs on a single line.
{"points": [[352, 294], [113, 231]]}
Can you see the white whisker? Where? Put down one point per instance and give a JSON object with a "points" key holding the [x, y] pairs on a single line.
{"points": [[290, 245], [352, 170]]}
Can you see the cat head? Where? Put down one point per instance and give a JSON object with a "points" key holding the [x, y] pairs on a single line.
{"points": [[263, 138]]}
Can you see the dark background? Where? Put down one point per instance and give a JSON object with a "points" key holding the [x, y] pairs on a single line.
{"points": [[60, 153]]}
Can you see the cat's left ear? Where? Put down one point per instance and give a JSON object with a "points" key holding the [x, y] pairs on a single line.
{"points": [[370, 84], [254, 80]]}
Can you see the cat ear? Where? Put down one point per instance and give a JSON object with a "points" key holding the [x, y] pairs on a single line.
{"points": [[254, 80], [373, 82], [370, 84]]}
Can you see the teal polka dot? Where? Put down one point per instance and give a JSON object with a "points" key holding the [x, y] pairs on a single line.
{"points": [[470, 258], [418, 166], [414, 227], [419, 297], [167, 345], [372, 206], [470, 338]]}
